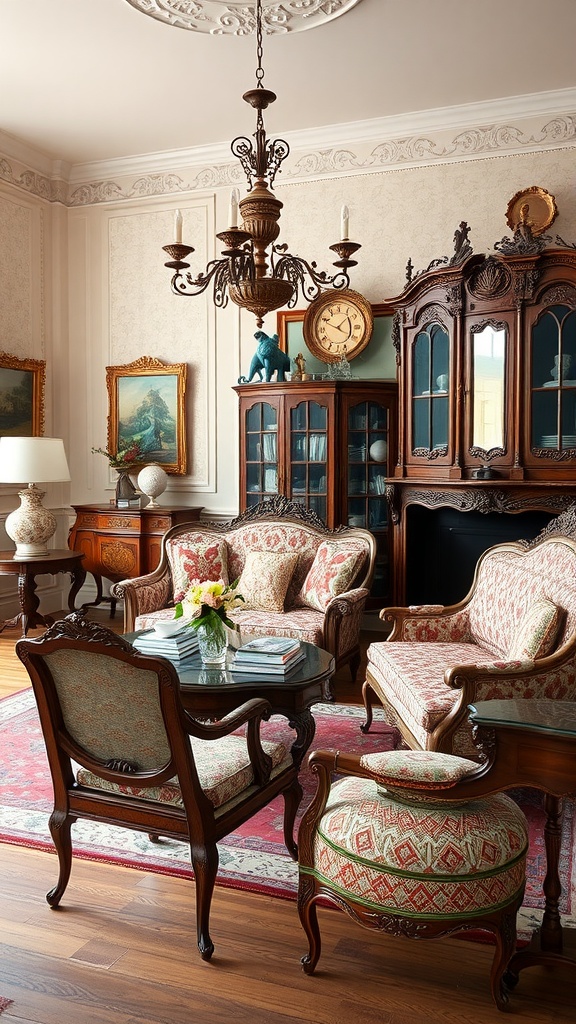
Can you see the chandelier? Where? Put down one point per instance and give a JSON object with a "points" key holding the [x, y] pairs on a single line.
{"points": [[255, 272]]}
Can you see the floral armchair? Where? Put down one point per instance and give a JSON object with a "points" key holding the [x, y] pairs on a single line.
{"points": [[513, 636], [298, 578]]}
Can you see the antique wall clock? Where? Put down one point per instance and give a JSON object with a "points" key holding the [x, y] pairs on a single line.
{"points": [[338, 325]]}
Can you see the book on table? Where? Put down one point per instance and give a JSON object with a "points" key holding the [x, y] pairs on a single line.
{"points": [[176, 648], [257, 669], [272, 655], [269, 650]]}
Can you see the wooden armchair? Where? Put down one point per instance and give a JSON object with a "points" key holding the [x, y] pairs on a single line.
{"points": [[141, 761]]}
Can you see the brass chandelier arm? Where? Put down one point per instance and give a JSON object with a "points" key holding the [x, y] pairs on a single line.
{"points": [[217, 271], [305, 277]]}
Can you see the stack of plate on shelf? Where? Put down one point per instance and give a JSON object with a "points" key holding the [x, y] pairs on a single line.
{"points": [[357, 453], [549, 440], [569, 440]]}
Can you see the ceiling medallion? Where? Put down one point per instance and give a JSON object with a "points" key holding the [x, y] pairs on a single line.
{"points": [[255, 271], [238, 18]]}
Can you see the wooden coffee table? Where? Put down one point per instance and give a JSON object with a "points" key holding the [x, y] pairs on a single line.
{"points": [[214, 692]]}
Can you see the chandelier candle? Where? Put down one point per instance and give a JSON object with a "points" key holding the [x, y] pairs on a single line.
{"points": [[178, 227]]}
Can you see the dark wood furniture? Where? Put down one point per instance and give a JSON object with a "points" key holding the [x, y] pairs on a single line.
{"points": [[487, 408], [328, 444], [533, 743], [214, 692], [27, 569], [85, 667], [120, 543]]}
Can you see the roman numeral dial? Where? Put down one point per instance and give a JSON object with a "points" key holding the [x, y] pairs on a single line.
{"points": [[337, 325]]}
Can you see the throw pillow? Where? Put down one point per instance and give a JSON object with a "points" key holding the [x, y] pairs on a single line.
{"points": [[265, 579], [537, 631], [195, 557], [331, 573]]}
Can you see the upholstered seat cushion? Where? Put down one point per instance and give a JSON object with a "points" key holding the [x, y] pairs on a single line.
{"points": [[301, 623], [413, 678], [223, 767], [420, 861]]}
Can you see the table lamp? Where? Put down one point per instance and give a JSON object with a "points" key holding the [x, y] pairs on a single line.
{"points": [[41, 460]]}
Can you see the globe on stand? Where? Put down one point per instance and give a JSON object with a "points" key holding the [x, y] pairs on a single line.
{"points": [[152, 481]]}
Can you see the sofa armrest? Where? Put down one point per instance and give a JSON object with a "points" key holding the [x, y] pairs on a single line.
{"points": [[343, 621], [144, 594], [428, 623], [552, 677]]}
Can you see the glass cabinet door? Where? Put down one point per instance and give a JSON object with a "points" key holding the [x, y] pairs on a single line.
{"points": [[367, 439], [308, 456], [430, 382], [261, 454], [553, 384]]}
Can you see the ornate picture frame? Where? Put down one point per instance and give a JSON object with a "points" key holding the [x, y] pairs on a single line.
{"points": [[376, 362], [146, 404], [22, 384]]}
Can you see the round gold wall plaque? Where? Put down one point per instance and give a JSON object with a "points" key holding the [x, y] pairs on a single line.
{"points": [[533, 206]]}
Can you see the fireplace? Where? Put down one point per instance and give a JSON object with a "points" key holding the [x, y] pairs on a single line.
{"points": [[444, 544]]}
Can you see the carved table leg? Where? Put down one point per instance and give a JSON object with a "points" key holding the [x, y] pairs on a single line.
{"points": [[77, 577]]}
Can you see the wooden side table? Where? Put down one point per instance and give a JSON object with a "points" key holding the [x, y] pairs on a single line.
{"points": [[121, 543], [533, 743], [27, 569]]}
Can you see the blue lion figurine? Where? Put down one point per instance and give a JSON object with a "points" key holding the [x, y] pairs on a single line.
{"points": [[267, 357]]}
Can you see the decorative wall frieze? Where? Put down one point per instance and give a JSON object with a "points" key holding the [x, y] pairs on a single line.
{"points": [[377, 145]]}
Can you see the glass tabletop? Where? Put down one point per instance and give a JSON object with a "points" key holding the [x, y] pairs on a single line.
{"points": [[553, 716], [318, 663]]}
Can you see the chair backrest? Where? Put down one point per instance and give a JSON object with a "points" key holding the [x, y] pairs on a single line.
{"points": [[107, 707], [510, 577]]}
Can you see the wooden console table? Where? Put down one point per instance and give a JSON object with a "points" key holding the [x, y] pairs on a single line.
{"points": [[121, 543], [27, 569]]}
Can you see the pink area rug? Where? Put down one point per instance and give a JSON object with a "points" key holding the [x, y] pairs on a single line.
{"points": [[254, 857]]}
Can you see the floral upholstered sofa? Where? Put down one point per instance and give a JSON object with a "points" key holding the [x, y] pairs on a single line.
{"points": [[298, 578], [513, 636]]}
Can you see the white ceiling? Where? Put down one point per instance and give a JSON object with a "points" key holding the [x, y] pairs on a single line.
{"points": [[88, 80]]}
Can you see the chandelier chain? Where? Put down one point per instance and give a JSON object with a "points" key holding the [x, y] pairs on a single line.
{"points": [[259, 47]]}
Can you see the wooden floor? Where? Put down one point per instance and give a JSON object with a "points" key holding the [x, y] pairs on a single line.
{"points": [[122, 950]]}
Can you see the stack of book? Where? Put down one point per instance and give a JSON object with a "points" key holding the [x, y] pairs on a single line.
{"points": [[176, 647], [268, 655]]}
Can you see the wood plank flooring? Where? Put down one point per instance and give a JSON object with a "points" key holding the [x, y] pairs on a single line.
{"points": [[122, 950]]}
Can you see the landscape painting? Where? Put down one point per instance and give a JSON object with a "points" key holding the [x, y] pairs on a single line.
{"points": [[22, 384], [146, 409]]}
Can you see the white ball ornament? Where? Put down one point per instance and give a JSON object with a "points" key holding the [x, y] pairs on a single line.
{"points": [[379, 451], [152, 481]]}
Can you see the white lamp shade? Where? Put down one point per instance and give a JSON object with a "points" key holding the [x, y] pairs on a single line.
{"points": [[40, 460]]}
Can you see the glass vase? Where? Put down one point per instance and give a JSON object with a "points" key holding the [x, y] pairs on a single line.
{"points": [[212, 641]]}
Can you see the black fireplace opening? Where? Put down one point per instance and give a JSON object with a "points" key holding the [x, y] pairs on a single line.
{"points": [[444, 545]]}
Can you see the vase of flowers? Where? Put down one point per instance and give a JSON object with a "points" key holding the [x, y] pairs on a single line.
{"points": [[207, 605], [124, 461]]}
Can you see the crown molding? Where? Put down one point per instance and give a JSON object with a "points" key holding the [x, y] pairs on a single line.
{"points": [[518, 124]]}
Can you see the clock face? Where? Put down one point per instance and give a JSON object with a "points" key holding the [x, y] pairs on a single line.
{"points": [[338, 325]]}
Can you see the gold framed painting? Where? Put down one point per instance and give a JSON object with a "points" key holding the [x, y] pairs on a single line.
{"points": [[22, 383], [146, 407]]}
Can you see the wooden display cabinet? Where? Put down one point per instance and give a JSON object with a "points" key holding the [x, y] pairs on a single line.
{"points": [[327, 444], [487, 391], [121, 543]]}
